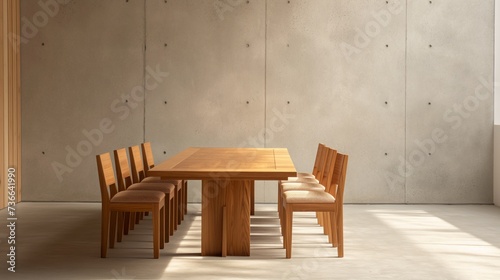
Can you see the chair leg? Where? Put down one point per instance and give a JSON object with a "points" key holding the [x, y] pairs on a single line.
{"points": [[282, 223], [328, 227], [126, 225], [138, 217], [156, 233], [325, 223], [281, 215], [340, 233], [185, 197], [167, 219], [288, 231], [162, 227], [104, 232], [321, 221], [179, 205], [252, 199], [112, 230], [172, 215], [280, 197], [132, 220], [120, 227], [176, 207], [333, 236]]}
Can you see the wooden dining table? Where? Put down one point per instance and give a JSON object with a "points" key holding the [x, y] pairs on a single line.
{"points": [[228, 176]]}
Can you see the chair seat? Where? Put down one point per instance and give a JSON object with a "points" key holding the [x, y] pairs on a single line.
{"points": [[164, 188], [299, 180], [178, 183], [303, 186], [308, 197], [138, 197]]}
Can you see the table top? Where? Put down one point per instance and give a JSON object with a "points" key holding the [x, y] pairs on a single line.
{"points": [[234, 163]]}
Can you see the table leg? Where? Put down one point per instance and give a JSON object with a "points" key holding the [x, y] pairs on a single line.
{"points": [[235, 196]]}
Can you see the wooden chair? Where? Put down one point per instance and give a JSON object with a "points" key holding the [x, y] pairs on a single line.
{"points": [[327, 157], [329, 201], [125, 182], [303, 177], [149, 162], [116, 202], [139, 176], [305, 183]]}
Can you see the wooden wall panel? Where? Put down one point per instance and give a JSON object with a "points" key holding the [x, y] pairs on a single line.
{"points": [[2, 108], [10, 99]]}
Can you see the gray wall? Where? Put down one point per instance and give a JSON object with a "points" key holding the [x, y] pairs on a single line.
{"points": [[496, 165], [405, 90]]}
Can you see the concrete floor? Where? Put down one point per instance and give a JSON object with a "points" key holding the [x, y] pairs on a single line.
{"points": [[61, 241]]}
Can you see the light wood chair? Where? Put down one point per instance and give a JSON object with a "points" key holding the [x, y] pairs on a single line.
{"points": [[139, 176], [305, 183], [330, 202], [125, 182], [116, 203], [149, 162], [303, 177]]}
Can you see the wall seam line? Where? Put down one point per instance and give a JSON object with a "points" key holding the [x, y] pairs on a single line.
{"points": [[406, 103], [265, 73], [144, 75]]}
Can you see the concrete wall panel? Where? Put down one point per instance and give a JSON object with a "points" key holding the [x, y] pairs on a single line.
{"points": [[449, 95], [214, 93], [338, 88], [74, 68]]}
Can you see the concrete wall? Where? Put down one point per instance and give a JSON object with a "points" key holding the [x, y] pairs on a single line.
{"points": [[496, 187], [404, 90]]}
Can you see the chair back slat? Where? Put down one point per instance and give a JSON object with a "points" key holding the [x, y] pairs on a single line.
{"points": [[138, 172], [329, 168], [107, 180], [322, 174], [122, 169], [147, 154], [317, 160], [337, 183], [339, 198]]}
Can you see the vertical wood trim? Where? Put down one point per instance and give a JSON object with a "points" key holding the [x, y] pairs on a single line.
{"points": [[3, 150], [10, 143], [17, 87]]}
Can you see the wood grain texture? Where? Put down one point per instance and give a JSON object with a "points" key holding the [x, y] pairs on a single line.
{"points": [[234, 196], [240, 163], [10, 99], [238, 221], [213, 201]]}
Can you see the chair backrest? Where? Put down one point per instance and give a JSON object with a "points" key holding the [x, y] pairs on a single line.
{"points": [[122, 169], [324, 171], [107, 180], [138, 172], [337, 184], [317, 160], [147, 154]]}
